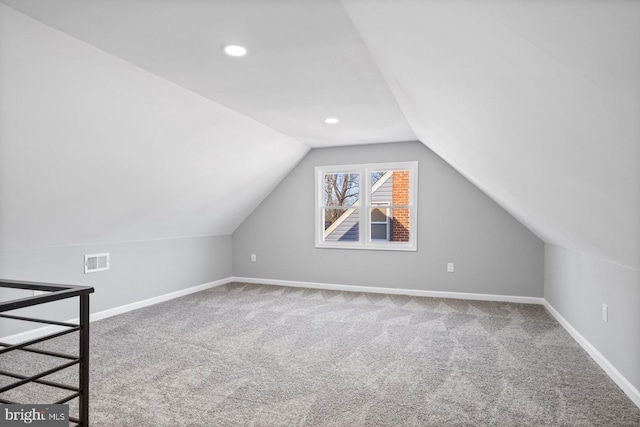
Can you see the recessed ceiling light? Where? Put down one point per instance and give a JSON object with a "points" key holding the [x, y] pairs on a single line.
{"points": [[235, 50], [331, 120]]}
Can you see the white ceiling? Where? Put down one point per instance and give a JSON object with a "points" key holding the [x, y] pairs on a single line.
{"points": [[306, 61], [537, 103]]}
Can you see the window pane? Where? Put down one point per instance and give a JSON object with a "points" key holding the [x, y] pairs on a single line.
{"points": [[341, 189], [379, 231], [341, 225], [400, 188], [376, 175], [379, 215], [400, 225], [381, 187]]}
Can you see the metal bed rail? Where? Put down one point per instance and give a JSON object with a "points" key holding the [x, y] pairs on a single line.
{"points": [[54, 292]]}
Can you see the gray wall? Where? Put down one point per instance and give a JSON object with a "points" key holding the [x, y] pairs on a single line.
{"points": [[139, 270], [493, 253], [577, 285]]}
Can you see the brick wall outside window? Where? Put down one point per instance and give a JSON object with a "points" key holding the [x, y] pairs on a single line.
{"points": [[400, 219]]}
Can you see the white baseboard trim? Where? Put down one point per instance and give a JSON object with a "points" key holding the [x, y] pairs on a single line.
{"points": [[613, 373], [393, 291], [38, 332], [155, 300]]}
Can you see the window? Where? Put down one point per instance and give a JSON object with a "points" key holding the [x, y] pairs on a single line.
{"points": [[380, 222], [370, 206]]}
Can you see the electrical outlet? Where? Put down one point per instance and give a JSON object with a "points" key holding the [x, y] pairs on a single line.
{"points": [[605, 312], [253, 258], [450, 267]]}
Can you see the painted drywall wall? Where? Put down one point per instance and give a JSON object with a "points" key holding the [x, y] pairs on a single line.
{"points": [[94, 149], [138, 271], [493, 253], [576, 285]]}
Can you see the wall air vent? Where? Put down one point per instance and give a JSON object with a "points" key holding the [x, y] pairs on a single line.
{"points": [[96, 262]]}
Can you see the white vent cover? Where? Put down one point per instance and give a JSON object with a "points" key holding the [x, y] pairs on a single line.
{"points": [[96, 262]]}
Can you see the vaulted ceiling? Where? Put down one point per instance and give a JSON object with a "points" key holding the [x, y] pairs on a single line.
{"points": [[124, 120]]}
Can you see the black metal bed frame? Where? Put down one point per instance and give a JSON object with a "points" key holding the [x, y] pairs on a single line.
{"points": [[54, 292]]}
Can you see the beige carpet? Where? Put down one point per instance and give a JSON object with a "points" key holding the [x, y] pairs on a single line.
{"points": [[254, 355]]}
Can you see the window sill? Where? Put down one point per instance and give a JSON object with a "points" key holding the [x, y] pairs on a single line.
{"points": [[404, 247]]}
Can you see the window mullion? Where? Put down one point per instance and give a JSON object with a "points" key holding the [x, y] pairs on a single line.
{"points": [[365, 193]]}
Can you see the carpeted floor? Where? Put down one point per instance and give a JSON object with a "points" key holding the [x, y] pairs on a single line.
{"points": [[254, 355]]}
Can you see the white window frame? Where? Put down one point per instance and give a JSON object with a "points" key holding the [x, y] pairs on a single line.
{"points": [[364, 209]]}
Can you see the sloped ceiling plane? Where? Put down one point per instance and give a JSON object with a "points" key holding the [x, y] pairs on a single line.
{"points": [[536, 103]]}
